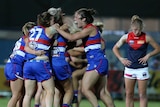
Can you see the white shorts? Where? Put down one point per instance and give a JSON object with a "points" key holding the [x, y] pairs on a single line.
{"points": [[139, 73]]}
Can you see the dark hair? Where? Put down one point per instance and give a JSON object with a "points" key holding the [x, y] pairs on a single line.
{"points": [[87, 13], [43, 19], [59, 20]]}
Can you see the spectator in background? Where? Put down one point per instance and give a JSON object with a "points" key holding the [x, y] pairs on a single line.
{"points": [[136, 66], [155, 64]]}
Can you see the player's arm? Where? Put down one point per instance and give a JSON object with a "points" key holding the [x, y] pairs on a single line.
{"points": [[31, 51], [154, 44], [116, 47]]}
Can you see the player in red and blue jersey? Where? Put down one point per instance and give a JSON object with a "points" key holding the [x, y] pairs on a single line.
{"points": [[97, 67], [14, 68], [136, 66], [37, 68], [62, 69]]}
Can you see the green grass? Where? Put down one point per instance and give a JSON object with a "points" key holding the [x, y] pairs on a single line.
{"points": [[85, 103]]}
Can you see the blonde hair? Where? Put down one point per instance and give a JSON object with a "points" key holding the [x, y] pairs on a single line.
{"points": [[99, 25], [136, 20], [57, 13], [27, 26]]}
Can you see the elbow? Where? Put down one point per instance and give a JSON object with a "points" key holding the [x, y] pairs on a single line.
{"points": [[157, 50], [114, 48]]}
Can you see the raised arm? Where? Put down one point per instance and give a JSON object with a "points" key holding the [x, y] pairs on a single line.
{"points": [[75, 36]]}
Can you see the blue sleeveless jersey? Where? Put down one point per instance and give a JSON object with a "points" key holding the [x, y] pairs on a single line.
{"points": [[94, 54], [60, 66], [38, 40], [14, 66], [18, 53]]}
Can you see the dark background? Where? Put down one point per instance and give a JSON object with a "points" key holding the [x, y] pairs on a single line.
{"points": [[14, 13]]}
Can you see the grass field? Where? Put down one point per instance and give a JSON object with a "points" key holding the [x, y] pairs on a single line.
{"points": [[85, 103]]}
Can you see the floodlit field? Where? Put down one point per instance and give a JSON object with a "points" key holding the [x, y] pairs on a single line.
{"points": [[85, 103]]}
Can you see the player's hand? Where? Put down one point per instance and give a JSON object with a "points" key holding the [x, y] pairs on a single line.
{"points": [[144, 59], [125, 61], [64, 27], [57, 26], [40, 52]]}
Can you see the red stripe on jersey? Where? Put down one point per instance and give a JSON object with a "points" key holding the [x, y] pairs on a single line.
{"points": [[43, 41], [88, 25], [61, 44], [21, 48], [93, 42]]}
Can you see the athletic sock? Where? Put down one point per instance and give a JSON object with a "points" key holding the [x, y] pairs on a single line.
{"points": [[65, 105], [36, 105], [75, 97], [75, 92]]}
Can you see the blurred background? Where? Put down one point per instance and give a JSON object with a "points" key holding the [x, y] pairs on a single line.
{"points": [[114, 14]]}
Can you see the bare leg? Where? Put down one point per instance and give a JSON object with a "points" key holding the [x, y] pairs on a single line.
{"points": [[89, 80], [29, 90], [57, 98], [142, 87], [49, 86], [38, 94], [103, 91], [16, 88], [129, 87], [76, 76], [20, 101], [68, 91]]}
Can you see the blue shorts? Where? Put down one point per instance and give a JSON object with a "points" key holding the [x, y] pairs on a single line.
{"points": [[39, 70], [62, 70], [100, 65], [13, 71]]}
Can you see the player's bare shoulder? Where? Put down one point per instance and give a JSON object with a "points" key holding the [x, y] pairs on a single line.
{"points": [[122, 40]]}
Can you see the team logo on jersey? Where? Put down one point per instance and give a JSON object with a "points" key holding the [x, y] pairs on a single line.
{"points": [[136, 37], [33, 45], [144, 74], [55, 52], [131, 42], [140, 42]]}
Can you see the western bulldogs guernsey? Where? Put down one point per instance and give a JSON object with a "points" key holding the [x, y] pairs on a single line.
{"points": [[60, 66], [94, 54], [137, 48], [14, 66], [38, 41], [59, 50], [18, 54]]}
